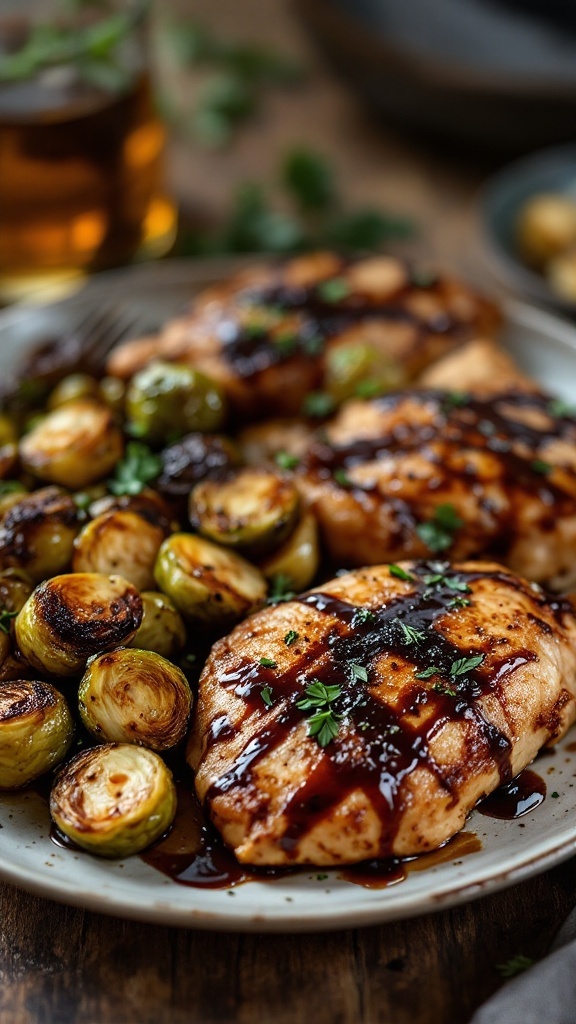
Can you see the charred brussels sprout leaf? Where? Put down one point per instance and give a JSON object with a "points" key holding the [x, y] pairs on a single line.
{"points": [[114, 800]]}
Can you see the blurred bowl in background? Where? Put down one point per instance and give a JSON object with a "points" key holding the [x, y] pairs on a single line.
{"points": [[490, 74], [504, 197]]}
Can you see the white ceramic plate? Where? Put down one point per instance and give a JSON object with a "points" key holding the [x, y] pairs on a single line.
{"points": [[511, 850]]}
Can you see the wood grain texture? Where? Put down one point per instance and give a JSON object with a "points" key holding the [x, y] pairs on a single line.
{"points": [[59, 965]]}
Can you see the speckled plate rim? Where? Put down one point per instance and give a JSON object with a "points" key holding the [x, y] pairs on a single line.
{"points": [[512, 851]]}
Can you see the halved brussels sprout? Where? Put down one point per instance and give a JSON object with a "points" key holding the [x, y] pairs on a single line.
{"points": [[75, 445], [135, 696], [114, 800], [253, 509], [69, 618], [296, 562], [121, 541], [72, 387], [192, 459], [362, 371], [162, 628], [36, 730], [15, 589], [165, 399], [148, 504], [37, 533], [207, 583]]}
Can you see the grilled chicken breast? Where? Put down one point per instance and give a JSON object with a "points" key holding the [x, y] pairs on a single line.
{"points": [[268, 333], [432, 471], [437, 686]]}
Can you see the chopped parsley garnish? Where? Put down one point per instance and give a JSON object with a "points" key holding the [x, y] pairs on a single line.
{"points": [[341, 477], [438, 533], [455, 583], [446, 690], [14, 487], [368, 388], [541, 467], [318, 404], [286, 342], [291, 637], [82, 500], [400, 573], [464, 665], [323, 724], [455, 400], [362, 616], [5, 619], [558, 407], [333, 290], [280, 589], [286, 460], [266, 695], [359, 672], [138, 467], [411, 635], [458, 602], [516, 965], [268, 663], [427, 673]]}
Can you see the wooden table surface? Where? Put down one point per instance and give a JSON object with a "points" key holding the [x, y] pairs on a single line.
{"points": [[60, 965]]}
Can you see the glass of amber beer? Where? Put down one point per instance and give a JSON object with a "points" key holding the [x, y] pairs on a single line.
{"points": [[81, 145]]}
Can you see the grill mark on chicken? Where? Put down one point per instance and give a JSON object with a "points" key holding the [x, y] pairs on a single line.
{"points": [[250, 352], [386, 747]]}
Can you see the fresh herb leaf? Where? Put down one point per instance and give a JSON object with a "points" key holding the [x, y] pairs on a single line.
{"points": [[309, 179], [266, 694], [280, 589], [458, 602], [363, 616], [291, 637], [558, 407], [82, 500], [438, 533], [446, 690], [464, 665], [359, 672], [368, 388], [333, 290], [341, 477], [5, 619], [268, 663], [555, 795], [516, 965], [318, 695], [541, 467], [138, 467], [455, 399], [318, 404], [456, 583], [427, 673], [324, 727], [411, 635], [286, 460], [400, 573]]}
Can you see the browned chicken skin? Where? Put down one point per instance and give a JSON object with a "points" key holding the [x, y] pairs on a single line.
{"points": [[265, 334], [432, 471], [447, 682]]}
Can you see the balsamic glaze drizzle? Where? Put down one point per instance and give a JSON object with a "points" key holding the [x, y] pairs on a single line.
{"points": [[378, 744]]}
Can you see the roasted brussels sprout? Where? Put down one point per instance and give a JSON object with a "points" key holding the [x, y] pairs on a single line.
{"points": [[11, 492], [207, 583], [546, 227], [135, 696], [120, 541], [162, 628], [148, 504], [15, 589], [114, 800], [36, 730], [362, 371], [165, 399], [192, 459], [297, 560], [71, 617], [252, 509], [71, 388], [76, 445], [37, 533]]}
